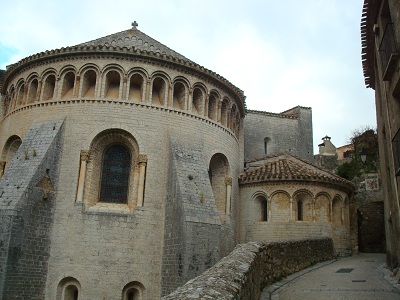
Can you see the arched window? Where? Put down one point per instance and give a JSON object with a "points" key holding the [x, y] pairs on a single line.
{"points": [[88, 83], [299, 210], [266, 141], [68, 289], [71, 293], [115, 174], [218, 171], [10, 149], [133, 291], [179, 96], [198, 101], [48, 87], [262, 208]]}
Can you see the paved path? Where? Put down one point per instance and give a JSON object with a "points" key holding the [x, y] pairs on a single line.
{"points": [[359, 277]]}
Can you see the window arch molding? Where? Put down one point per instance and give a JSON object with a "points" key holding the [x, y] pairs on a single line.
{"points": [[109, 83], [303, 205], [159, 88], [68, 81], [180, 93], [136, 87], [33, 86], [261, 205], [49, 84], [99, 145], [89, 80], [133, 291], [68, 288], [199, 99], [10, 149]]}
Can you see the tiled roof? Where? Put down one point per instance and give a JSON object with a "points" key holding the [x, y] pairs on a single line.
{"points": [[370, 8], [133, 38], [131, 42], [286, 167]]}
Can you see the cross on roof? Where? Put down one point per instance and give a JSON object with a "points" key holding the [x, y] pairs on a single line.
{"points": [[134, 25]]}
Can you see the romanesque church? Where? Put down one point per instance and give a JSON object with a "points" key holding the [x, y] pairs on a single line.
{"points": [[128, 169]]}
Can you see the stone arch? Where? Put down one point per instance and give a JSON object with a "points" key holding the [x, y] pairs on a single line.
{"points": [[68, 76], [159, 90], [280, 206], [232, 118], [303, 205], [213, 105], [218, 172], [88, 82], [33, 86], [20, 93], [224, 111], [179, 94], [68, 288], [11, 99], [322, 207], [133, 291], [10, 149], [49, 85], [260, 207], [112, 79], [94, 176], [198, 99], [136, 86], [337, 207]]}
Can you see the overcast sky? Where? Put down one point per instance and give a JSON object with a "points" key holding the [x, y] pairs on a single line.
{"points": [[280, 53]]}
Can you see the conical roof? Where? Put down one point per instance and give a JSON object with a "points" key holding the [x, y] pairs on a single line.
{"points": [[286, 167], [130, 43], [133, 38]]}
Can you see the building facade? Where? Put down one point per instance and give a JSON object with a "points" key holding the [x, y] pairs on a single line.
{"points": [[120, 161], [380, 34]]}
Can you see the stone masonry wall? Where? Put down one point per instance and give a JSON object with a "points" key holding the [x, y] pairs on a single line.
{"points": [[26, 213], [195, 237], [252, 266], [285, 134]]}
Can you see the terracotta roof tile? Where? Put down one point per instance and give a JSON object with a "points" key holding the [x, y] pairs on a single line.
{"points": [[286, 167]]}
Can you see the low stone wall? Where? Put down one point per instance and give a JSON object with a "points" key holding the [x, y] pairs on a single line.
{"points": [[252, 266]]}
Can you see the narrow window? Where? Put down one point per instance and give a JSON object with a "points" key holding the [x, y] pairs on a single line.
{"points": [[264, 210], [299, 211], [115, 174], [266, 141]]}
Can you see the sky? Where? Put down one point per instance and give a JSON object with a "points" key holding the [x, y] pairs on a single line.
{"points": [[280, 53]]}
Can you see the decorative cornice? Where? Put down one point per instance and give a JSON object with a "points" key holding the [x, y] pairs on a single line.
{"points": [[127, 53]]}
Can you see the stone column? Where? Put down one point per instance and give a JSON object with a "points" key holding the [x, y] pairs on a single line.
{"points": [[39, 90], [170, 100], [82, 174], [228, 183], [76, 86], [124, 89], [190, 100], [331, 212], [142, 176], [2, 168], [25, 96], [313, 210], [147, 93], [269, 201], [291, 208], [219, 106]]}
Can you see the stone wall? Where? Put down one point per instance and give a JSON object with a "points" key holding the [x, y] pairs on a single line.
{"points": [[27, 199], [286, 132], [252, 266]]}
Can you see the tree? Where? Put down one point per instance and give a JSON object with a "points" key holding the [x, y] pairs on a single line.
{"points": [[364, 141]]}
